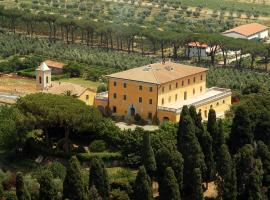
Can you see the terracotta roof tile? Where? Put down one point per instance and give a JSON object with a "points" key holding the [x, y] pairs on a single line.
{"points": [[158, 73], [54, 64], [248, 29], [197, 44], [61, 88]]}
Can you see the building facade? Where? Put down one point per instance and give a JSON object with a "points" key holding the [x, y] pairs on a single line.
{"points": [[159, 91], [248, 31], [44, 84], [43, 77]]}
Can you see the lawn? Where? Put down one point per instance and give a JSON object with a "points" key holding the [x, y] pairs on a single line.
{"points": [[83, 82]]}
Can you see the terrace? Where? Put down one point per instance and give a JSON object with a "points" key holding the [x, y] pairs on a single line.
{"points": [[210, 95]]}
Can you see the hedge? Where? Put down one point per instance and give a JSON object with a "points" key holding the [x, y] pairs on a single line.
{"points": [[109, 158]]}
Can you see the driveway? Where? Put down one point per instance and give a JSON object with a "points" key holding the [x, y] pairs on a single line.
{"points": [[125, 126]]}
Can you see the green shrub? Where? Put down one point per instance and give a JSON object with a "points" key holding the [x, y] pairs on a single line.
{"points": [[57, 169], [109, 158], [97, 146], [119, 195], [11, 195]]}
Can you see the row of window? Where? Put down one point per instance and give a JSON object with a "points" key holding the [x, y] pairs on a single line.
{"points": [[140, 86], [150, 115], [150, 100], [170, 86], [125, 98]]}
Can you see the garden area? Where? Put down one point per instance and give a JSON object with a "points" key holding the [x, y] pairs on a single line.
{"points": [[70, 150]]}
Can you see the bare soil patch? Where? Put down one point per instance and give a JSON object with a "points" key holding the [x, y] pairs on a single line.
{"points": [[11, 83]]}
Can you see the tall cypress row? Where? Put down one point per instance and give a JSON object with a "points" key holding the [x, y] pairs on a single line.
{"points": [[189, 146]]}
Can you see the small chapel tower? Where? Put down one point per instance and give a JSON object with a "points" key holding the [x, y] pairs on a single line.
{"points": [[43, 77]]}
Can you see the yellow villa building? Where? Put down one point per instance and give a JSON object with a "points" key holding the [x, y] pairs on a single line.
{"points": [[160, 90]]}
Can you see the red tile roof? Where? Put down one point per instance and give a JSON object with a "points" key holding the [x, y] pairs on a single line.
{"points": [[248, 29]]}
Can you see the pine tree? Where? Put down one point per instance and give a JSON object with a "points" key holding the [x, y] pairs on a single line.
{"points": [[264, 154], [93, 194], [209, 157], [21, 190], [73, 187], [170, 158], [241, 132], [148, 156], [189, 146], [47, 187], [197, 191], [169, 189], [225, 181], [98, 177], [143, 185]]}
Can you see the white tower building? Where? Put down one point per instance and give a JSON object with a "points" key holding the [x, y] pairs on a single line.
{"points": [[43, 77]]}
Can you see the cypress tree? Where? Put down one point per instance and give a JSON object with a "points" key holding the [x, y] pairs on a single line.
{"points": [[184, 112], [170, 158], [254, 184], [220, 140], [212, 128], [93, 194], [98, 177], [193, 113], [47, 187], [225, 181], [190, 148], [21, 190], [148, 156], [209, 158], [169, 189], [73, 187], [143, 185], [199, 128], [212, 123], [244, 162], [197, 191], [241, 132], [264, 154]]}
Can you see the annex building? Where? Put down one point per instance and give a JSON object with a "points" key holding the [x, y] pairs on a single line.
{"points": [[160, 90], [46, 85], [248, 31]]}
